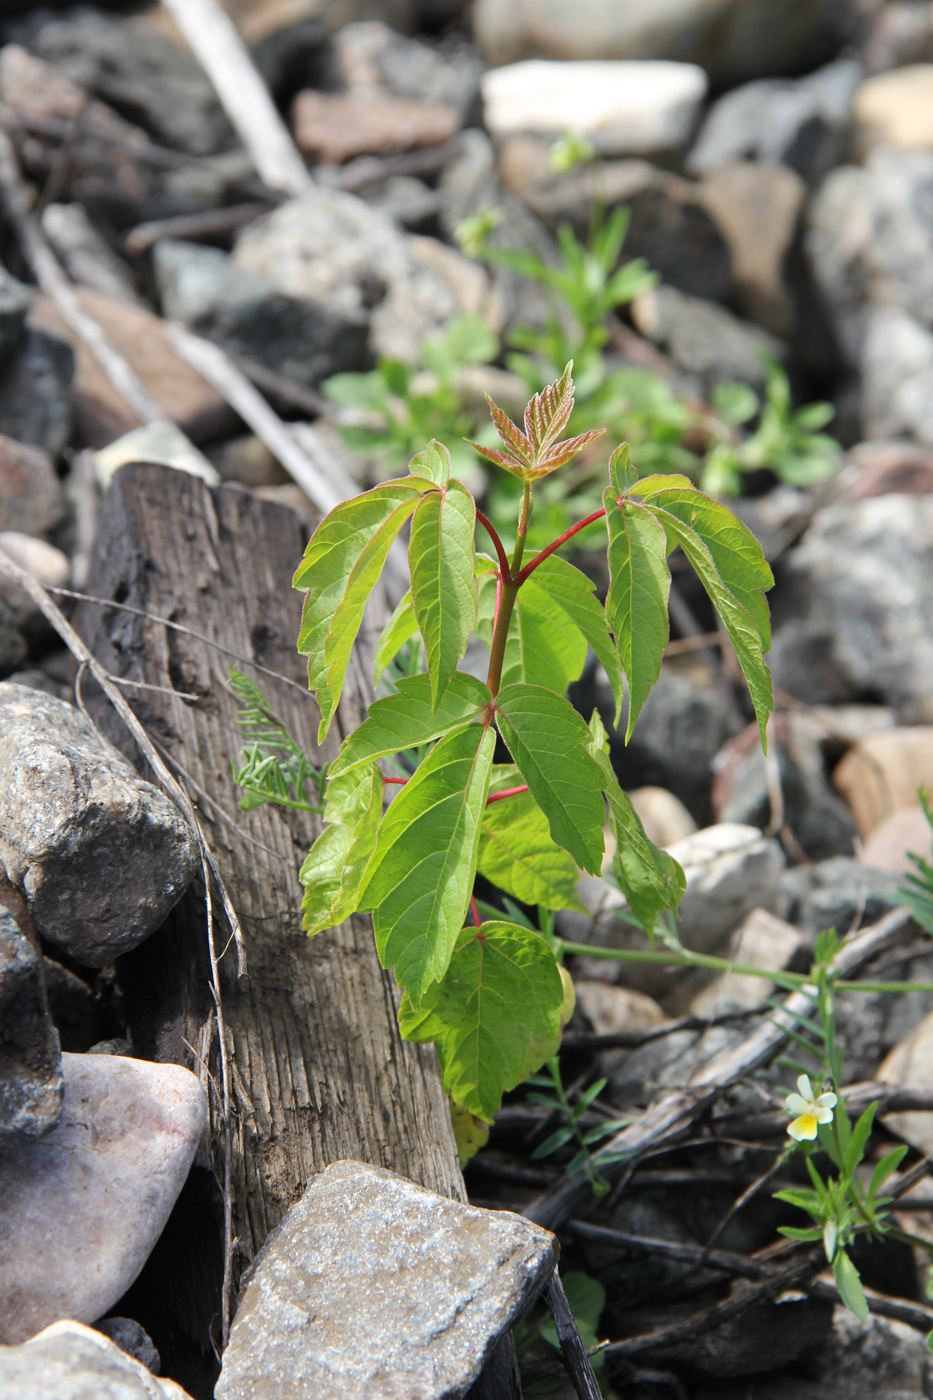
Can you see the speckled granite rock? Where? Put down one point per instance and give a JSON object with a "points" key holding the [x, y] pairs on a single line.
{"points": [[100, 855], [81, 1210], [374, 1289]]}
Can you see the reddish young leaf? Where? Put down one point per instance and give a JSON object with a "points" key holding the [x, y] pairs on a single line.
{"points": [[515, 440], [560, 452], [548, 412]]}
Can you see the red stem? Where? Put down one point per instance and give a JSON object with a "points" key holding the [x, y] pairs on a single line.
{"points": [[491, 532], [400, 782], [567, 535], [509, 792], [476, 919]]}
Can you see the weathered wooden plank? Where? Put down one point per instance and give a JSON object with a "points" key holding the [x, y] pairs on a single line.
{"points": [[320, 1071]]}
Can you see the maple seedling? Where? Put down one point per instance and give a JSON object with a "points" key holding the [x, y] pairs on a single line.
{"points": [[492, 996]]}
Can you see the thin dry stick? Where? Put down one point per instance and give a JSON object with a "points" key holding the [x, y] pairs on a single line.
{"points": [[55, 284], [572, 1350], [242, 92], [671, 1116]]}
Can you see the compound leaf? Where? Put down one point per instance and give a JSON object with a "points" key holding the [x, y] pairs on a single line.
{"points": [[442, 555], [548, 740], [432, 462], [340, 568], [651, 880], [334, 867], [743, 630], [407, 720], [495, 1018], [399, 629], [736, 552], [573, 592], [636, 605], [421, 873], [516, 851]]}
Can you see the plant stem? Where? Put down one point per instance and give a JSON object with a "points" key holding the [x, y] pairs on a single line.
{"points": [[567, 535], [509, 594], [509, 792], [524, 516], [500, 550], [789, 980]]}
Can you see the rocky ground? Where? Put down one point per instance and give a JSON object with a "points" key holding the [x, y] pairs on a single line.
{"points": [[777, 160]]}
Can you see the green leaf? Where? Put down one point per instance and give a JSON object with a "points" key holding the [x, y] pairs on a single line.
{"points": [[399, 629], [793, 1233], [744, 631], [549, 742], [651, 880], [854, 1151], [420, 876], [849, 1285], [573, 592], [432, 463], [340, 568], [365, 391], [735, 551], [543, 645], [495, 1018], [334, 867], [622, 475], [552, 1143], [406, 719], [639, 586], [442, 555], [888, 1164], [516, 851], [470, 1134]]}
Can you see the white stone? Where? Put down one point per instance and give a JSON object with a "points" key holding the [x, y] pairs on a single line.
{"points": [[761, 940], [68, 1361], [664, 816], [81, 1210], [617, 1010], [160, 443], [625, 108], [48, 566], [911, 1063], [895, 839]]}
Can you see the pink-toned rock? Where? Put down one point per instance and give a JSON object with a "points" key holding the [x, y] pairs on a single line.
{"points": [[81, 1210], [614, 1010], [336, 126], [884, 469], [31, 497], [904, 832], [883, 772]]}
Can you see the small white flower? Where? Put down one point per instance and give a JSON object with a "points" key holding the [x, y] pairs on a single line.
{"points": [[810, 1111]]}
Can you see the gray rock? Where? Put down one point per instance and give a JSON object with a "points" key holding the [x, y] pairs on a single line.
{"points": [[100, 855], [897, 375], [799, 123], [371, 55], [679, 732], [131, 1338], [15, 301], [670, 224], [35, 393], [836, 893], [733, 39], [858, 1361], [12, 642], [31, 1085], [77, 1012], [820, 821], [703, 339], [405, 200], [81, 1210], [901, 33], [860, 585], [305, 340], [636, 1077], [87, 256], [136, 69], [31, 497], [870, 239], [68, 1361], [336, 250], [373, 1287]]}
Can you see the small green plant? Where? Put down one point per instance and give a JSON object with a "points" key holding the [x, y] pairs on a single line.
{"points": [[557, 1100], [841, 1206], [786, 440], [917, 890], [275, 768], [490, 995], [399, 407]]}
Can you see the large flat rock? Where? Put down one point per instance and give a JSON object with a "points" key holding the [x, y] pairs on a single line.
{"points": [[374, 1289], [81, 1210]]}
